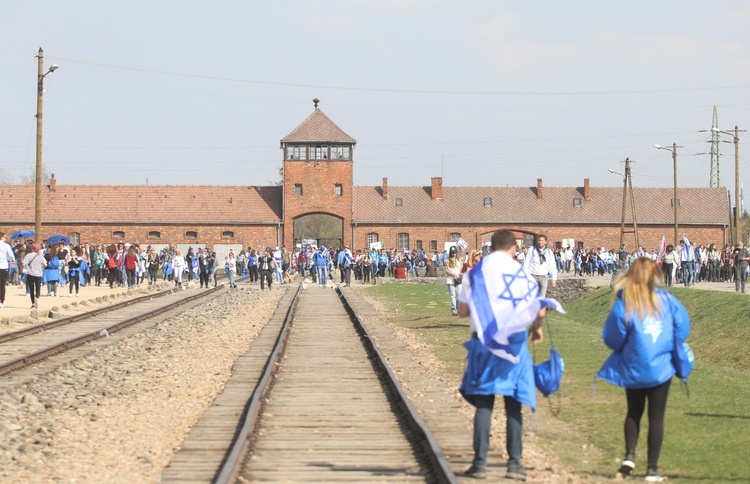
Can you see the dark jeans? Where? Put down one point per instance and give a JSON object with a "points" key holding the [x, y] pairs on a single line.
{"points": [[266, 278], [130, 276], [667, 268], [34, 286], [252, 272], [74, 281], [657, 405], [482, 422], [4, 275], [740, 277]]}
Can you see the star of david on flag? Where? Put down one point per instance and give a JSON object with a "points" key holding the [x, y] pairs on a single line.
{"points": [[504, 300]]}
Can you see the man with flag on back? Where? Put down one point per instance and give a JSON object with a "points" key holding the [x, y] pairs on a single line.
{"points": [[503, 304]]}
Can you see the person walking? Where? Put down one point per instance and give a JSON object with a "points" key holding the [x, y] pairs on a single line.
{"points": [[687, 261], [640, 329], [502, 305], [741, 258], [74, 271], [321, 258], [453, 279], [540, 264], [267, 264], [131, 263], [230, 266], [7, 258], [670, 263], [33, 266], [178, 267], [51, 275]]}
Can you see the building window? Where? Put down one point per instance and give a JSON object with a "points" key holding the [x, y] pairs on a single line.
{"points": [[578, 202], [455, 236], [433, 245], [227, 234], [671, 202], [75, 238], [295, 153], [372, 238], [418, 246], [318, 152], [399, 201], [154, 234], [191, 234], [403, 241], [298, 189], [340, 152], [118, 234], [487, 202], [338, 189]]}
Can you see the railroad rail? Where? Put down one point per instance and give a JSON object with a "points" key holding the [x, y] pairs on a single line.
{"points": [[312, 400], [38, 342]]}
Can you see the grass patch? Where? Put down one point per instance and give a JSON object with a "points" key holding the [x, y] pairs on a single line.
{"points": [[707, 435]]}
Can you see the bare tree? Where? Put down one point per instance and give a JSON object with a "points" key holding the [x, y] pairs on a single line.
{"points": [[280, 181], [30, 177], [5, 178]]}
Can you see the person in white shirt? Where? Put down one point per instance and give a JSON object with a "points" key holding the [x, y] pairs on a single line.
{"points": [[540, 264], [6, 259]]}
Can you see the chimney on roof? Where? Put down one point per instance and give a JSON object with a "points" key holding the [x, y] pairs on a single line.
{"points": [[586, 193], [385, 188], [437, 187], [52, 182], [315, 103], [538, 188]]}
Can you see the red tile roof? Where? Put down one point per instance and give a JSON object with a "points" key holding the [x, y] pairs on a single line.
{"points": [[144, 204], [318, 128], [520, 205], [107, 204]]}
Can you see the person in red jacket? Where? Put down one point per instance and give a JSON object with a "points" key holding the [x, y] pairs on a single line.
{"points": [[131, 263]]}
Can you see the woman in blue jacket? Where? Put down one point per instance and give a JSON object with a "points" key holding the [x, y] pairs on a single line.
{"points": [[640, 330]]}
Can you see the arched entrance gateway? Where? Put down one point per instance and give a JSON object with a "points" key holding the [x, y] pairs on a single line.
{"points": [[318, 229]]}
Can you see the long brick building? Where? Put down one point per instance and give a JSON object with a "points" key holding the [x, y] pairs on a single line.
{"points": [[318, 181]]}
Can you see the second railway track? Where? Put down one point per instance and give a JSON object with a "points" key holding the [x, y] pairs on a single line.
{"points": [[35, 343]]}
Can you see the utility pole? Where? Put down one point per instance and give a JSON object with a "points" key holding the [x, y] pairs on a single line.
{"points": [[675, 200], [627, 187], [38, 178]]}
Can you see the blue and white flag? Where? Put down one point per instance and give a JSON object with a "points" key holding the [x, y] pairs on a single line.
{"points": [[462, 244], [503, 300]]}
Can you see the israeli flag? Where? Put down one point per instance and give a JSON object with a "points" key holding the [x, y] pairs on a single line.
{"points": [[462, 244], [503, 300]]}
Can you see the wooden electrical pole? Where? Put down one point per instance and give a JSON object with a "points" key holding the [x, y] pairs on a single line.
{"points": [[627, 188], [38, 177]]}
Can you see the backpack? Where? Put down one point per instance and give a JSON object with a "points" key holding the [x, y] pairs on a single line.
{"points": [[111, 264]]}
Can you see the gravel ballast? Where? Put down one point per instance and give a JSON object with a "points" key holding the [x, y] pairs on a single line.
{"points": [[119, 414]]}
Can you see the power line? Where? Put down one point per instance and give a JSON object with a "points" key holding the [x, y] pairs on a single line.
{"points": [[407, 91]]}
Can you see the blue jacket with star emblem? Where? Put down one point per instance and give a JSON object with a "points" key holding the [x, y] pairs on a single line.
{"points": [[642, 348]]}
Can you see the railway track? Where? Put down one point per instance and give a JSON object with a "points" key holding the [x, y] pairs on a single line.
{"points": [[35, 343], [312, 400]]}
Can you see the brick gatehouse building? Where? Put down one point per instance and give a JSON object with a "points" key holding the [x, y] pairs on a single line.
{"points": [[318, 179]]}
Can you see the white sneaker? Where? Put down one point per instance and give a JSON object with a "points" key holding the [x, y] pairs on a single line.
{"points": [[78, 295], [2, 305]]}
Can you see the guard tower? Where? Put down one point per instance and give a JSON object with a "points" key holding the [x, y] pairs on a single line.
{"points": [[318, 182]]}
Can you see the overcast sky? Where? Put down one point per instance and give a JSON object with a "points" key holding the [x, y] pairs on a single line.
{"points": [[480, 92]]}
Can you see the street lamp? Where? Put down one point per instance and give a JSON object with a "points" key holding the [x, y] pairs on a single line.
{"points": [[736, 139], [673, 150], [38, 182]]}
